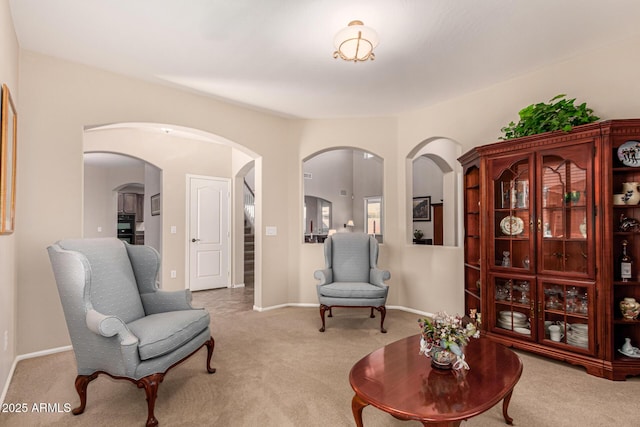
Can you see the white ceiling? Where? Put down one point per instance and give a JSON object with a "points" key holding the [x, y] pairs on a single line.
{"points": [[276, 55]]}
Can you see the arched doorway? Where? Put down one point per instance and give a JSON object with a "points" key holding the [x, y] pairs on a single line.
{"points": [[179, 151]]}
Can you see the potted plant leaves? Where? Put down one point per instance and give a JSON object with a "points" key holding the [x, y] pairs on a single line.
{"points": [[558, 114]]}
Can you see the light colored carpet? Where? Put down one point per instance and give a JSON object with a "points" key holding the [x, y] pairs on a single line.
{"points": [[275, 369]]}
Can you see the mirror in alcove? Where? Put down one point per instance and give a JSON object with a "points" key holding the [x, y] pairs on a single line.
{"points": [[342, 193], [433, 177]]}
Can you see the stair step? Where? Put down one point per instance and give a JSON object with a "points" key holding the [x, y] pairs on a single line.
{"points": [[249, 254]]}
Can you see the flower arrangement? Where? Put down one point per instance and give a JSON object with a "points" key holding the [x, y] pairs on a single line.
{"points": [[446, 332]]}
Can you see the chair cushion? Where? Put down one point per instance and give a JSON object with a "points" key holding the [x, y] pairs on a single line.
{"points": [[352, 290], [164, 332]]}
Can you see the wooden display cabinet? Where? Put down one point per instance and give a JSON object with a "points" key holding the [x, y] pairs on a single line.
{"points": [[625, 134], [549, 241], [472, 230]]}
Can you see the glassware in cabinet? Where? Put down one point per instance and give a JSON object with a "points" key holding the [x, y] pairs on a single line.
{"points": [[626, 223], [511, 217], [567, 307], [565, 214], [513, 305]]}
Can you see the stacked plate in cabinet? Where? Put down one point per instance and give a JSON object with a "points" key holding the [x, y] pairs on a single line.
{"points": [[514, 321], [578, 335]]}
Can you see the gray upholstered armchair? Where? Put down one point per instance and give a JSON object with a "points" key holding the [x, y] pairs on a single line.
{"points": [[120, 323], [351, 277]]}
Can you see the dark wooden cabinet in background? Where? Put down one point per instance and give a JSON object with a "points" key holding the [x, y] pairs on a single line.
{"points": [[139, 207], [543, 241], [131, 203], [438, 232], [127, 203]]}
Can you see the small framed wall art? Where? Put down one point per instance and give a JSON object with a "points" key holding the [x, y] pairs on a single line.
{"points": [[155, 204], [8, 149], [422, 208]]}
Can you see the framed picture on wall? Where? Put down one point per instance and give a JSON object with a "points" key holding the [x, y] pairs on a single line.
{"points": [[422, 208], [155, 204], [8, 146]]}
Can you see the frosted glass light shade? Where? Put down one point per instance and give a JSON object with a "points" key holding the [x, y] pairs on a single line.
{"points": [[355, 42]]}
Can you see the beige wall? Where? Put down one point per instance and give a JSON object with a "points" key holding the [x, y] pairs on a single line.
{"points": [[8, 278], [57, 99]]}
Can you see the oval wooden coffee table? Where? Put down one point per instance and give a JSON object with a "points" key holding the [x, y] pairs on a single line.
{"points": [[398, 380]]}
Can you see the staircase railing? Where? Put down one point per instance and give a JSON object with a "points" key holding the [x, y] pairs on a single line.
{"points": [[249, 206]]}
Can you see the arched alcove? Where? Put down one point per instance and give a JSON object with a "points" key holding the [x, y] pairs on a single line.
{"points": [[433, 192], [343, 191]]}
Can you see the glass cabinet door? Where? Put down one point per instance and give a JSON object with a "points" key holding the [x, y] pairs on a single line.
{"points": [[565, 213], [513, 298], [512, 221], [472, 239], [566, 311]]}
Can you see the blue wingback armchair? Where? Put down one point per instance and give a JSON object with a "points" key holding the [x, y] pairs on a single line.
{"points": [[120, 323], [351, 277]]}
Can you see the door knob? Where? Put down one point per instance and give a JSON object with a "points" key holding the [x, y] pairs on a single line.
{"points": [[195, 240]]}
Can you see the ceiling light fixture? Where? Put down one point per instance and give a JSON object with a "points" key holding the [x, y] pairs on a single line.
{"points": [[355, 42]]}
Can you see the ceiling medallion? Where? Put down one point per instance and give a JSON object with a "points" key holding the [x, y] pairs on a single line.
{"points": [[355, 42]]}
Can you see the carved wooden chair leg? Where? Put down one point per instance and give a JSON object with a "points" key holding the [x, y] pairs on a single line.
{"points": [[210, 345], [150, 384], [323, 308], [82, 381], [372, 315], [383, 313]]}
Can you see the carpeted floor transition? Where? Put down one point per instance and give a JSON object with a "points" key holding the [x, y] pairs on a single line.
{"points": [[275, 369]]}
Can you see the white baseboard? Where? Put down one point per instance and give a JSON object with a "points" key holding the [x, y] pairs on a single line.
{"points": [[5, 389], [273, 307], [410, 310], [389, 307]]}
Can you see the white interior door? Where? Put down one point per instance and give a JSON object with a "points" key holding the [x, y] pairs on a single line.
{"points": [[209, 234]]}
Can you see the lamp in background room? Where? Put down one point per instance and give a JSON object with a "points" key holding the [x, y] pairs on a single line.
{"points": [[355, 42], [350, 224]]}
